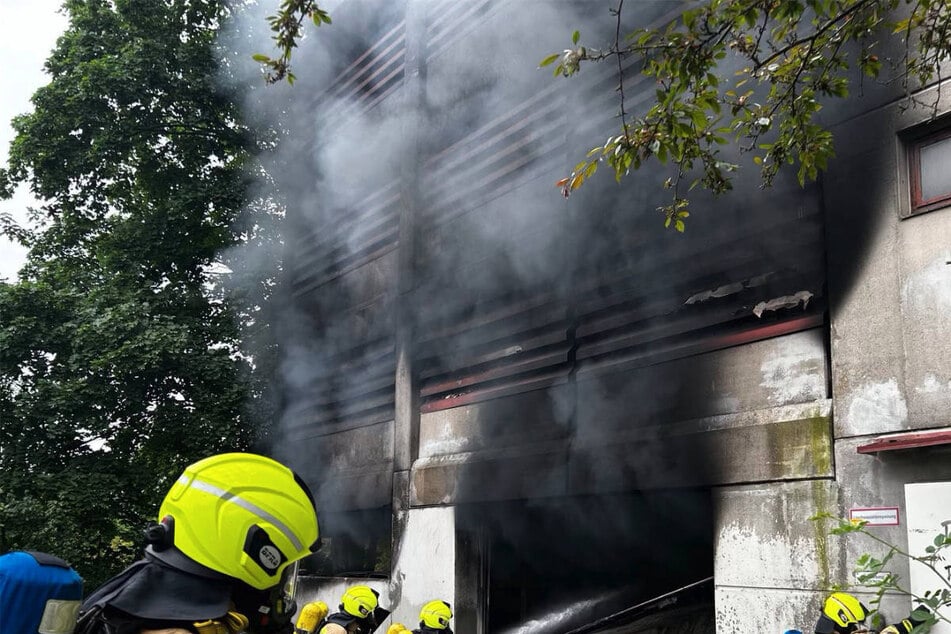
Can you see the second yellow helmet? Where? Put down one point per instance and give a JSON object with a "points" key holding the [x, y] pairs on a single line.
{"points": [[360, 601], [436, 614], [844, 609]]}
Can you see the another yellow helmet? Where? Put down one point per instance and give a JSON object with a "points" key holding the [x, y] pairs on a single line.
{"points": [[840, 613], [844, 609], [242, 515], [436, 615], [360, 601]]}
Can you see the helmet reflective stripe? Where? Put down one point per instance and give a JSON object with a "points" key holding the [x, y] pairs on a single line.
{"points": [[248, 506], [59, 617]]}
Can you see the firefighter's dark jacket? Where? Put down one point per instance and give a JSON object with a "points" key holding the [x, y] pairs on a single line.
{"points": [[350, 623]]}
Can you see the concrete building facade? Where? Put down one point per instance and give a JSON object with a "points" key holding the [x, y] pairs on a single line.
{"points": [[545, 411]]}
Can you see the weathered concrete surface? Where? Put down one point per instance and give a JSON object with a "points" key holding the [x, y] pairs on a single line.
{"points": [[869, 481], [773, 372], [768, 550], [926, 316], [523, 419], [744, 609], [889, 282], [766, 540], [784, 443], [773, 567], [766, 399]]}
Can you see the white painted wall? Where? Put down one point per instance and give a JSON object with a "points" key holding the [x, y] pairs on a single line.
{"points": [[927, 505], [426, 565]]}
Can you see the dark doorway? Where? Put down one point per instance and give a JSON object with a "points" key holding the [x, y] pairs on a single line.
{"points": [[556, 564]]}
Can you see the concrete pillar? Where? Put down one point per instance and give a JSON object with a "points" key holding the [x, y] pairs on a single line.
{"points": [[425, 568]]}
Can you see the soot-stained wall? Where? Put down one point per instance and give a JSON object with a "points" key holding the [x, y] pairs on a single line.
{"points": [[457, 335]]}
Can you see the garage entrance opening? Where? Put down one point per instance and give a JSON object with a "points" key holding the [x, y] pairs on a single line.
{"points": [[556, 565]]}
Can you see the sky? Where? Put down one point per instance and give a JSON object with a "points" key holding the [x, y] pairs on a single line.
{"points": [[28, 32]]}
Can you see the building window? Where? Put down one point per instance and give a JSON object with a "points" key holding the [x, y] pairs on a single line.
{"points": [[929, 163]]}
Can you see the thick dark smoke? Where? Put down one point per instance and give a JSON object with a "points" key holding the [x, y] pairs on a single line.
{"points": [[455, 128]]}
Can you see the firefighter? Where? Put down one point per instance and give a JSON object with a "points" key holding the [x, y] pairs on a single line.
{"points": [[38, 593], [228, 531], [905, 626], [433, 619], [360, 613], [841, 614]]}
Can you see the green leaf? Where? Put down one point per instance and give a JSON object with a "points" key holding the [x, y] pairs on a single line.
{"points": [[575, 37], [549, 60], [258, 57]]}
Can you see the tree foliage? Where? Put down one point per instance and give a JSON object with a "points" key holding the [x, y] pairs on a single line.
{"points": [[120, 356], [877, 574], [785, 59], [287, 25]]}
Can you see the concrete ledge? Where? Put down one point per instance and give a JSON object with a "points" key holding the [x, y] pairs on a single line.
{"points": [[531, 472], [742, 448], [789, 442]]}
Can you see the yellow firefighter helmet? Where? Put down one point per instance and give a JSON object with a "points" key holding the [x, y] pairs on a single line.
{"points": [[844, 609], [360, 601], [436, 614], [242, 515]]}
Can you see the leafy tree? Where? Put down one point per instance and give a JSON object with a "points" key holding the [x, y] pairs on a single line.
{"points": [[789, 56], [119, 345]]}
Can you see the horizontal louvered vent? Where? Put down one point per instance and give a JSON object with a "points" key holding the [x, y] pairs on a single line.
{"points": [[356, 389], [504, 349], [372, 77], [450, 19], [356, 236]]}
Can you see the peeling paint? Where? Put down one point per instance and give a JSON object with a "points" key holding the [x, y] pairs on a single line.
{"points": [[728, 289], [786, 301], [876, 406]]}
